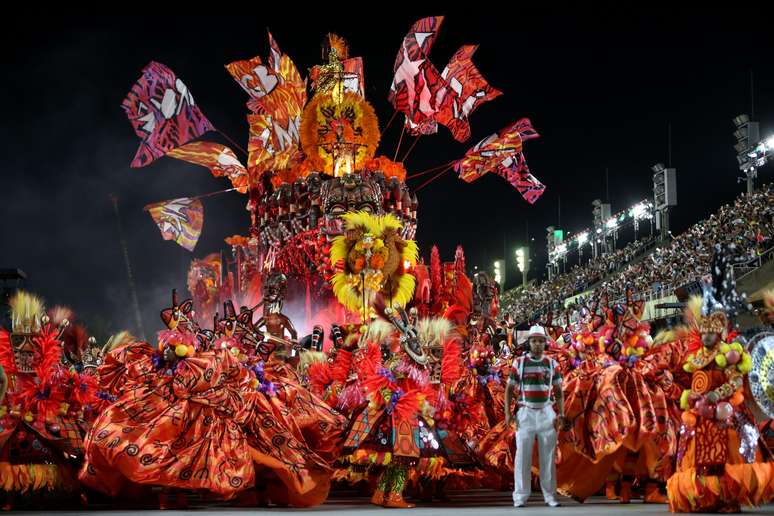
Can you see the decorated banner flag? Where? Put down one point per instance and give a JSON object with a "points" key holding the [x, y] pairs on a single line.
{"points": [[256, 78], [220, 159], [490, 152], [180, 220], [465, 90], [278, 97], [274, 140], [514, 169], [260, 80], [163, 113], [502, 154], [416, 81]]}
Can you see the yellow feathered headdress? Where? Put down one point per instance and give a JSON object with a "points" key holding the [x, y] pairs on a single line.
{"points": [[372, 258], [26, 311]]}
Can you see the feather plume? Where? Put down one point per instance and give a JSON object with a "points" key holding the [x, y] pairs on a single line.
{"points": [[26, 309], [59, 313], [339, 44], [119, 339]]}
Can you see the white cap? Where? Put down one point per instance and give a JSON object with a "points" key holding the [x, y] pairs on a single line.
{"points": [[537, 331]]}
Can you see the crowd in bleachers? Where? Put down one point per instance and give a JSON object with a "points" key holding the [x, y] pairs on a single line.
{"points": [[748, 224]]}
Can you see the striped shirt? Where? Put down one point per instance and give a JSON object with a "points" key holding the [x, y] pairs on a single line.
{"points": [[535, 385]]}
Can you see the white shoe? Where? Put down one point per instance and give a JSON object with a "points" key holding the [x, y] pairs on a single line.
{"points": [[518, 504], [553, 503]]}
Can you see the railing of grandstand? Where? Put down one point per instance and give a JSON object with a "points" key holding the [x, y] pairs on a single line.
{"points": [[743, 269]]}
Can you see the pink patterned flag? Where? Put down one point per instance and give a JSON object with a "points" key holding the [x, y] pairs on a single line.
{"points": [[163, 113], [515, 171]]}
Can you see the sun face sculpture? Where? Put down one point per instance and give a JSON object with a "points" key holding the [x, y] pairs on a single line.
{"points": [[339, 133], [372, 258]]}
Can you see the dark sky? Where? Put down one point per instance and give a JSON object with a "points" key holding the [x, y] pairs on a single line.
{"points": [[599, 85]]}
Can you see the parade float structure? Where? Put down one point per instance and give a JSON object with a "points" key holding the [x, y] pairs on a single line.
{"points": [[330, 217]]}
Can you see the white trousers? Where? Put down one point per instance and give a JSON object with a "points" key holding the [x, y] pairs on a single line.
{"points": [[535, 424]]}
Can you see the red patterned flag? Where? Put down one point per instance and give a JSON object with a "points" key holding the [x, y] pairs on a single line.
{"points": [[502, 154], [416, 82], [516, 172], [180, 220], [465, 90], [487, 154], [163, 113], [220, 159]]}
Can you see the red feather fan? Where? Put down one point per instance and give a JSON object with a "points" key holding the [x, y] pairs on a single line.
{"points": [[85, 389], [50, 349], [376, 382], [6, 353], [407, 406], [370, 361], [341, 366], [451, 363], [320, 375]]}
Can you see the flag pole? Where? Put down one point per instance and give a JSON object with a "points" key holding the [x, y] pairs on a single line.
{"points": [[202, 196], [132, 289]]}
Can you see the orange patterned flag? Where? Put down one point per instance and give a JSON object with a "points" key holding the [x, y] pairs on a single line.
{"points": [[180, 220], [278, 96], [220, 159]]}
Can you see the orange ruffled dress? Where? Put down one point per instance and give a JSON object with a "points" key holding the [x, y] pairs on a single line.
{"points": [[173, 427]]}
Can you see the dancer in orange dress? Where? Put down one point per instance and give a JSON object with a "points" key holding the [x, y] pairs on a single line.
{"points": [[174, 423], [292, 463], [622, 406], [720, 463]]}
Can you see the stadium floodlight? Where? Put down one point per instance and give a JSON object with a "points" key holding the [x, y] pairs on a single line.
{"points": [[639, 210], [583, 238], [499, 272], [522, 262], [520, 258], [611, 223], [740, 120], [750, 153]]}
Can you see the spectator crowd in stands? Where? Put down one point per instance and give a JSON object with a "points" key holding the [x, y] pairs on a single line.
{"points": [[748, 224]]}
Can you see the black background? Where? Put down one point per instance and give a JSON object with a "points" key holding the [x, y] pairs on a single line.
{"points": [[600, 86]]}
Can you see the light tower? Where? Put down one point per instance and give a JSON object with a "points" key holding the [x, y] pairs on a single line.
{"points": [[522, 262], [664, 196], [747, 138]]}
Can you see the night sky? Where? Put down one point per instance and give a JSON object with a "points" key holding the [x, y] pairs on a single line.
{"points": [[600, 86]]}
